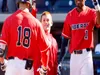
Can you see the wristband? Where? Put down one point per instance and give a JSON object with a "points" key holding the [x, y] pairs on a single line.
{"points": [[42, 71]]}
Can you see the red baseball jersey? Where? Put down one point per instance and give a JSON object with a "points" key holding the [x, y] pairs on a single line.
{"points": [[23, 35], [33, 12], [79, 28], [52, 62]]}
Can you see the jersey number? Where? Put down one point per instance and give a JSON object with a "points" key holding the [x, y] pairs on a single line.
{"points": [[86, 35], [26, 37]]}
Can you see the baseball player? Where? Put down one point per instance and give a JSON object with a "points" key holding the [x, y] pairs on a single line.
{"points": [[46, 20], [78, 27], [23, 34]]}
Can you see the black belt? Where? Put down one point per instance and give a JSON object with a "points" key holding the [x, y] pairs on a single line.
{"points": [[11, 57], [81, 51], [28, 65]]}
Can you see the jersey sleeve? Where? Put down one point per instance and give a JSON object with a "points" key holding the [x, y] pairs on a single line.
{"points": [[56, 58], [43, 44], [94, 18], [5, 33], [33, 12], [66, 28]]}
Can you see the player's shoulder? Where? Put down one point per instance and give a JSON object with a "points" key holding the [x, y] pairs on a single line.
{"points": [[71, 11], [10, 18], [37, 22], [90, 9]]}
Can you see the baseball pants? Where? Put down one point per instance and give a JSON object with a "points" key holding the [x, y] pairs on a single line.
{"points": [[16, 66], [81, 64]]}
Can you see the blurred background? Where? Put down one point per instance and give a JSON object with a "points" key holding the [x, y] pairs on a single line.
{"points": [[59, 10]]}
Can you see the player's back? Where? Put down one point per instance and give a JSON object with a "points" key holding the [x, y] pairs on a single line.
{"points": [[20, 27]]}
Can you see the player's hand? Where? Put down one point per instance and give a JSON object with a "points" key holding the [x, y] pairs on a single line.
{"points": [[34, 4], [59, 69], [3, 66], [42, 71]]}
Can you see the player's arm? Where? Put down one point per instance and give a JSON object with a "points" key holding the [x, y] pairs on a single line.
{"points": [[2, 49], [2, 52], [2, 55], [97, 8], [66, 34], [34, 10], [56, 59], [44, 46], [64, 42]]}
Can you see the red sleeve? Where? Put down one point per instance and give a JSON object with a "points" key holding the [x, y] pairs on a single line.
{"points": [[5, 32], [94, 16], [53, 56], [45, 58], [34, 11], [66, 29], [56, 61], [44, 45]]}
